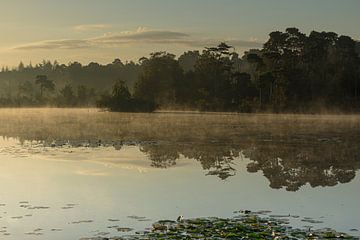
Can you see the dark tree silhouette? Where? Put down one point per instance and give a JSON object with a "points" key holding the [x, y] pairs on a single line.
{"points": [[44, 83], [293, 72]]}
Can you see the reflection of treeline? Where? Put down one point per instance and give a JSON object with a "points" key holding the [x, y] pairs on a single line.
{"points": [[216, 159], [290, 150], [284, 165], [293, 166], [292, 72]]}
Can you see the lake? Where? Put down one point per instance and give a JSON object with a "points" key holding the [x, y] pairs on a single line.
{"points": [[84, 173]]}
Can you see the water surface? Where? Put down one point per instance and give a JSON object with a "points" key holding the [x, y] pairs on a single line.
{"points": [[73, 173]]}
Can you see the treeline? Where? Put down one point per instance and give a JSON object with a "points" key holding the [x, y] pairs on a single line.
{"points": [[73, 84], [293, 72]]}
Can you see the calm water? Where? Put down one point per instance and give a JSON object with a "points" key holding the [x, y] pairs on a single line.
{"points": [[69, 174]]}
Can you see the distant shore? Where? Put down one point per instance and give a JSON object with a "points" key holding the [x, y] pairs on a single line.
{"points": [[194, 111]]}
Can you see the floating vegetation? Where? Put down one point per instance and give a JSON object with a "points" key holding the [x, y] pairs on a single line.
{"points": [[262, 212], [67, 207], [55, 230], [279, 216], [144, 220], [124, 229], [82, 221], [25, 206], [35, 232], [38, 207], [248, 226], [71, 204], [113, 220], [138, 218], [115, 226], [102, 234], [310, 220]]}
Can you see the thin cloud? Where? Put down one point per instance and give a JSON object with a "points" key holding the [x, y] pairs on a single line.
{"points": [[91, 27], [140, 36], [55, 44]]}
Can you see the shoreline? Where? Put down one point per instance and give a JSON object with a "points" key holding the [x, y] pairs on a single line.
{"points": [[192, 112]]}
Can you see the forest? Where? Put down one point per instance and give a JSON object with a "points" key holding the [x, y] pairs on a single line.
{"points": [[293, 72]]}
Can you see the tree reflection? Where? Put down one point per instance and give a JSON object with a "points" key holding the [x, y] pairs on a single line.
{"points": [[293, 166], [288, 166], [161, 156], [216, 160]]}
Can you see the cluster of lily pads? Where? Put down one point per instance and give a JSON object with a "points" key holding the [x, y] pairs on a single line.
{"points": [[246, 226]]}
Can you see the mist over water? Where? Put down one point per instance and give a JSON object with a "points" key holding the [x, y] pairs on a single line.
{"points": [[84, 173]]}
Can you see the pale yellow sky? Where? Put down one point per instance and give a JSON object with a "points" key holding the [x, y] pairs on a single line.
{"points": [[91, 30]]}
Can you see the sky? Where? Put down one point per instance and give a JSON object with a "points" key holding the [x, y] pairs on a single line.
{"points": [[102, 30]]}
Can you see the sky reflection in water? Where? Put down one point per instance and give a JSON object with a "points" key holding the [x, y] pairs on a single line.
{"points": [[160, 180], [73, 173]]}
